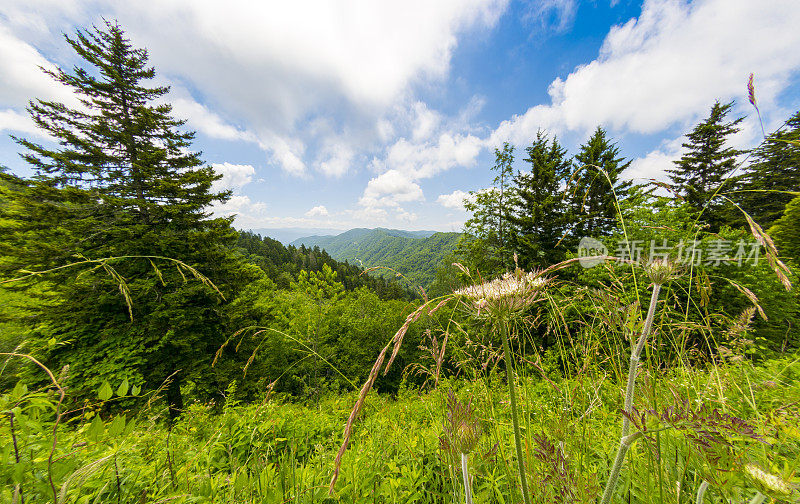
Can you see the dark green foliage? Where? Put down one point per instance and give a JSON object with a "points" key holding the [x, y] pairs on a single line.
{"points": [[596, 186], [775, 167], [703, 171], [786, 232], [121, 182], [313, 337], [540, 218]]}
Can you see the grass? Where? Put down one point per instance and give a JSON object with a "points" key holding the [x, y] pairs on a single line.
{"points": [[283, 452]]}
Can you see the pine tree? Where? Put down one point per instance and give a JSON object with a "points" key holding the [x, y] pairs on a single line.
{"points": [[540, 214], [704, 168], [597, 186], [121, 182], [775, 167]]}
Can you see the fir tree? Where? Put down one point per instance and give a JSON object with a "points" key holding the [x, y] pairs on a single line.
{"points": [[121, 182], [597, 186], [540, 215], [709, 160], [773, 174]]}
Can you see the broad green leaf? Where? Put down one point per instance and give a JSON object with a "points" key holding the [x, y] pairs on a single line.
{"points": [[123, 388], [135, 390], [96, 429], [105, 392], [117, 426]]}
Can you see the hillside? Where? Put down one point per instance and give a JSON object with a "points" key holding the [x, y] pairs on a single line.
{"points": [[414, 254], [287, 235]]}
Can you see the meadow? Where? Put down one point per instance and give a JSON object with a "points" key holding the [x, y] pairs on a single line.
{"points": [[152, 353]]}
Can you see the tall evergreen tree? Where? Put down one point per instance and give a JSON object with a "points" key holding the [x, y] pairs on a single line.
{"points": [[775, 167], [597, 185], [487, 246], [540, 216], [121, 182], [708, 161], [504, 158]]}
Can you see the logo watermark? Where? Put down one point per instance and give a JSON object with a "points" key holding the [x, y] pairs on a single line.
{"points": [[588, 249], [689, 253]]}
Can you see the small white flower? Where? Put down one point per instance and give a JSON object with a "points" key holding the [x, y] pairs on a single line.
{"points": [[511, 292]]}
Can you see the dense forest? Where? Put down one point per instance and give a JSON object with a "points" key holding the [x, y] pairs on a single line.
{"points": [[391, 253], [153, 353]]}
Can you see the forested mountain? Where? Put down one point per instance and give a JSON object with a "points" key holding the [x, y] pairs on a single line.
{"points": [[414, 254], [282, 264], [288, 235]]}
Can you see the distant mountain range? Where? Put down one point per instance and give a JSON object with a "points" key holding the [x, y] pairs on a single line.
{"points": [[288, 235], [414, 254]]}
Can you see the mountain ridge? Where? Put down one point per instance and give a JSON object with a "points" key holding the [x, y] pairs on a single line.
{"points": [[413, 254]]}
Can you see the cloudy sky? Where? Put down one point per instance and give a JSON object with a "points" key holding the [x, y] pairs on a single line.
{"points": [[349, 113]]}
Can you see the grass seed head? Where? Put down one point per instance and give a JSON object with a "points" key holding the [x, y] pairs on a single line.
{"points": [[461, 429], [769, 483]]}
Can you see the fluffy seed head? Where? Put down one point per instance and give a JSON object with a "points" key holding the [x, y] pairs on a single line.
{"points": [[661, 271], [770, 483]]}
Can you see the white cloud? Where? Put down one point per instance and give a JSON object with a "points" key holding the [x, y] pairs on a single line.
{"points": [[338, 157], [652, 166], [431, 158], [390, 189], [200, 118], [405, 216], [454, 200], [21, 77], [234, 176], [317, 211], [261, 71], [668, 65], [425, 122], [11, 120], [435, 146]]}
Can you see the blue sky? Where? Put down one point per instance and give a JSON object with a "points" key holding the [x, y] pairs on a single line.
{"points": [[356, 113]]}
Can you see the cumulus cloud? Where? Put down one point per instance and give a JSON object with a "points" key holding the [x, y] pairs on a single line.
{"points": [[425, 122], [390, 189], [406, 163], [21, 78], [246, 211], [432, 145], [234, 176], [668, 65], [200, 118], [259, 71], [317, 211], [454, 200], [11, 120], [337, 159]]}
